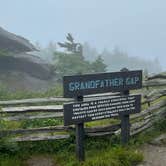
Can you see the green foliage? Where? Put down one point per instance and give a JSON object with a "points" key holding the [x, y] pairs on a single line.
{"points": [[3, 92], [8, 161], [115, 157], [71, 64], [8, 95], [107, 156], [158, 128], [161, 124], [102, 122], [98, 65], [3, 53], [99, 152], [2, 124], [40, 123], [8, 147]]}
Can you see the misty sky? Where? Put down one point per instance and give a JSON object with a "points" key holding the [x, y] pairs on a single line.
{"points": [[138, 27]]}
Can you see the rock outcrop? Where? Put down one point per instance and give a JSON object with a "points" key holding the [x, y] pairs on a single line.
{"points": [[26, 63], [19, 68]]}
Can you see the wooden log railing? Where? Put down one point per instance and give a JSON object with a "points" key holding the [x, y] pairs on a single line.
{"points": [[45, 108]]}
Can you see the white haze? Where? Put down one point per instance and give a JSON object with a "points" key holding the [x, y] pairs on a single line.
{"points": [[137, 27]]}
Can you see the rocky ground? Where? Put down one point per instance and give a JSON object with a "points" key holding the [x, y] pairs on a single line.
{"points": [[155, 152]]}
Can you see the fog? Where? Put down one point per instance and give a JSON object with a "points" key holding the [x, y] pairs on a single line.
{"points": [[136, 27]]}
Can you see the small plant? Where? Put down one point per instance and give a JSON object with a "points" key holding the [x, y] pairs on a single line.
{"points": [[161, 125], [40, 123], [8, 147], [3, 53]]}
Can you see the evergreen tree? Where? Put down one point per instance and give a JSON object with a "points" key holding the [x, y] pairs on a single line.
{"points": [[98, 65]]}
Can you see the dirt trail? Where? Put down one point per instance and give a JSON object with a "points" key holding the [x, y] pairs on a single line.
{"points": [[155, 152], [40, 161], [154, 155]]}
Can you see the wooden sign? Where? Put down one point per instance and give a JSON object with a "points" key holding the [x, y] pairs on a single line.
{"points": [[85, 111], [81, 85], [80, 112]]}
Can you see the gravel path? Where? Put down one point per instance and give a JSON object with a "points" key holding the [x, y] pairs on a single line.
{"points": [[155, 153], [40, 161]]}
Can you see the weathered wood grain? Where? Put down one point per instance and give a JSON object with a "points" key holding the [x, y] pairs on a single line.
{"points": [[48, 108], [149, 110], [154, 83], [50, 100], [37, 130], [39, 138], [13, 110], [158, 76], [24, 116], [34, 101]]}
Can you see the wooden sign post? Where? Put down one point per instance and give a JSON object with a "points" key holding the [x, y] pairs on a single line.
{"points": [[80, 153], [117, 106], [125, 124], [125, 119]]}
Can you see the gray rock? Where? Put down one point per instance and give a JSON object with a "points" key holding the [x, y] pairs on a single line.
{"points": [[27, 63], [21, 81], [10, 42], [20, 70]]}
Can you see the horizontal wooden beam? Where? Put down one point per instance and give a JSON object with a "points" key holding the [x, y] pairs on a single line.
{"points": [[107, 128], [35, 101], [49, 100], [142, 128], [25, 116], [148, 110], [158, 76], [48, 108], [37, 130], [39, 138], [155, 92], [51, 108], [154, 83]]}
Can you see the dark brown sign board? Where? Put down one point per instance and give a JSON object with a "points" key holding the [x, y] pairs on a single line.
{"points": [[80, 112], [80, 85]]}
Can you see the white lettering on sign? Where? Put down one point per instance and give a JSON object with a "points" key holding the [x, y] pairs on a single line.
{"points": [[101, 109], [94, 84]]}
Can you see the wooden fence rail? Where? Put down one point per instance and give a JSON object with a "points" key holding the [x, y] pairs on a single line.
{"points": [[32, 109]]}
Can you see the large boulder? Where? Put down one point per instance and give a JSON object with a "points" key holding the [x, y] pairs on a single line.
{"points": [[27, 63], [20, 69], [13, 43]]}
